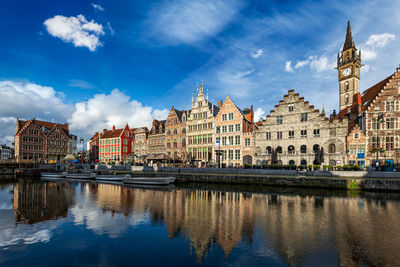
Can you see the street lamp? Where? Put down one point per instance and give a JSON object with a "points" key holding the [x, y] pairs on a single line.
{"points": [[380, 118]]}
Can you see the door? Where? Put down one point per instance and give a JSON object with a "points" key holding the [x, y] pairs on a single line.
{"points": [[389, 165]]}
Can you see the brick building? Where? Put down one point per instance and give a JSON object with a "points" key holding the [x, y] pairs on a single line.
{"points": [[175, 133], [157, 138], [115, 145], [200, 125], [94, 148], [234, 134], [40, 140]]}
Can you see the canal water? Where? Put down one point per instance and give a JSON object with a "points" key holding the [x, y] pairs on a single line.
{"points": [[84, 223]]}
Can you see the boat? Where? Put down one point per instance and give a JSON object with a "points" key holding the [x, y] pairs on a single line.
{"points": [[82, 175], [110, 177], [150, 180], [53, 174]]}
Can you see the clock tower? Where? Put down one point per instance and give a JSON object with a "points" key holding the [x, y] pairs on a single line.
{"points": [[348, 66]]}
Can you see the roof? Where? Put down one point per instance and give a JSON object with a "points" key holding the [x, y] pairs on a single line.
{"points": [[216, 108], [367, 97], [45, 124], [111, 133], [348, 43]]}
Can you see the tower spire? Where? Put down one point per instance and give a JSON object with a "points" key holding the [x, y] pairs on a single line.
{"points": [[348, 43]]}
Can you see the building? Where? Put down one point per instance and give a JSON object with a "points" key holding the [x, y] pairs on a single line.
{"points": [[157, 138], [373, 115], [115, 145], [348, 66], [234, 130], [5, 152], [94, 148], [295, 133], [41, 140], [73, 145], [140, 141], [175, 133], [200, 125]]}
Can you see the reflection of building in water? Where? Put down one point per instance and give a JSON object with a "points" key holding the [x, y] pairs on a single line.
{"points": [[298, 227], [36, 202]]}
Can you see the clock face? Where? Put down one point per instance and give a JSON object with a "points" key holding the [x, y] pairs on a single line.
{"points": [[346, 72]]}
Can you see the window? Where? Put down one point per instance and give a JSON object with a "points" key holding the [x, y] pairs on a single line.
{"points": [[230, 116], [237, 140], [224, 117], [332, 148], [269, 150], [218, 129], [291, 134], [291, 149], [237, 127], [346, 86], [279, 150], [230, 138], [247, 142], [373, 141], [303, 149], [315, 148], [210, 125], [303, 133], [346, 99], [230, 154], [199, 127], [125, 141], [268, 136], [389, 142], [224, 140], [230, 127], [279, 120], [374, 123], [204, 125], [303, 117], [237, 154], [352, 149], [224, 129], [316, 132], [356, 136], [390, 105], [278, 135], [175, 131], [291, 107], [390, 123]]}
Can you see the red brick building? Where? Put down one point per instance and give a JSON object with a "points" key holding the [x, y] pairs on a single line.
{"points": [[94, 143], [115, 145], [41, 141]]}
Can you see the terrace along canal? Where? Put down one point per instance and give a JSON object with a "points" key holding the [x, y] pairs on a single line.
{"points": [[86, 223]]}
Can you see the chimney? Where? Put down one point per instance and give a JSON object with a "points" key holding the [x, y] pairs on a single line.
{"points": [[219, 103], [334, 113]]}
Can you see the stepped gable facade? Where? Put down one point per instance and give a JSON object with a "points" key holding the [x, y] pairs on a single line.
{"points": [[40, 141], [295, 133], [175, 133], [234, 130], [157, 137]]}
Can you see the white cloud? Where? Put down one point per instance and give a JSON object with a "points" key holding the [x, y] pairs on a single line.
{"points": [[316, 63], [288, 66], [259, 114], [76, 30], [104, 111], [190, 21], [380, 40], [365, 68], [110, 29], [257, 54], [81, 84], [374, 43], [97, 7]]}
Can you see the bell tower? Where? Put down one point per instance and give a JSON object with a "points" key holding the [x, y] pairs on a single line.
{"points": [[348, 66]]}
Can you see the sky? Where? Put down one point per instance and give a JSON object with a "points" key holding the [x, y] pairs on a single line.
{"points": [[95, 64]]}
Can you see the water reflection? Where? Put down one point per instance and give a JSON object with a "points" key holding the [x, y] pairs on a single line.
{"points": [[295, 229]]}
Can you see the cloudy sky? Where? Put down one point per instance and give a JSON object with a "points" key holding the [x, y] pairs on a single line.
{"points": [[98, 63]]}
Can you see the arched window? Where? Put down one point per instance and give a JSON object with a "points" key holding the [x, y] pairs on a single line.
{"points": [[332, 162], [258, 150], [347, 55], [346, 86], [303, 149], [315, 148], [332, 148], [291, 162], [303, 162], [269, 150], [264, 163], [346, 99], [291, 149], [279, 150]]}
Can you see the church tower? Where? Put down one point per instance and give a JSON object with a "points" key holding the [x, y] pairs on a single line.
{"points": [[348, 66]]}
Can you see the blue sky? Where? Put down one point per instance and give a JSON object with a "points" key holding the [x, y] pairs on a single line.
{"points": [[98, 63]]}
